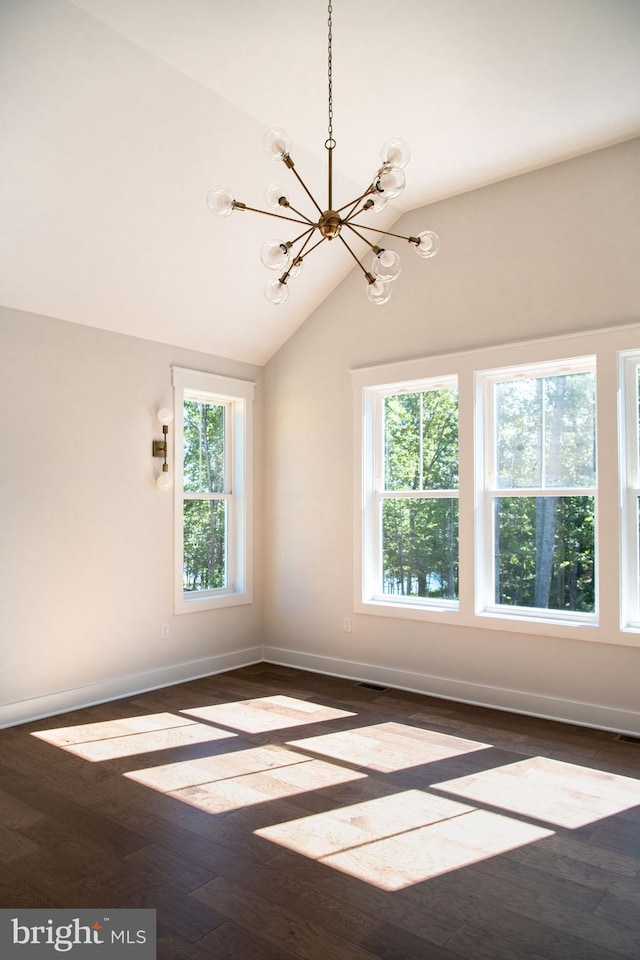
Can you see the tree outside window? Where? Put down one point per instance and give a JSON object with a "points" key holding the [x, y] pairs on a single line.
{"points": [[541, 489]]}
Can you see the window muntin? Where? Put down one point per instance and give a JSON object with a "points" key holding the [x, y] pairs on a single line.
{"points": [[413, 500], [213, 490], [538, 486]]}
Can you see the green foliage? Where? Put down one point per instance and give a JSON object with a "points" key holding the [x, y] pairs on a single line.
{"points": [[420, 535], [204, 545], [203, 447], [522, 551], [546, 431], [544, 546], [205, 519], [420, 547], [421, 440]]}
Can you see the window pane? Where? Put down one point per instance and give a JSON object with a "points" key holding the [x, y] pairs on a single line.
{"points": [[546, 431], [544, 552], [204, 566], [420, 548], [421, 440], [204, 447]]}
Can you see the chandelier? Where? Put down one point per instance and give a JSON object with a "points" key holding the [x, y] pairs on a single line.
{"points": [[288, 256]]}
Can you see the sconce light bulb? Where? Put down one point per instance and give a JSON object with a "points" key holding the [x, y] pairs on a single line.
{"points": [[165, 416], [164, 481]]}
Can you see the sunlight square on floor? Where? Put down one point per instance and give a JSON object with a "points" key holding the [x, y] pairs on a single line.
{"points": [[563, 794], [265, 714], [386, 747], [113, 739], [170, 777], [400, 840], [234, 793]]}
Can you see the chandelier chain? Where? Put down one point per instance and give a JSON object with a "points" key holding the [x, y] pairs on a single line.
{"points": [[330, 141]]}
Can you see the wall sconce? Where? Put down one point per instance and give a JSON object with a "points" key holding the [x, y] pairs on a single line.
{"points": [[160, 448]]}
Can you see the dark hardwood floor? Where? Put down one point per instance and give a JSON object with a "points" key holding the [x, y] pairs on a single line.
{"points": [[269, 813]]}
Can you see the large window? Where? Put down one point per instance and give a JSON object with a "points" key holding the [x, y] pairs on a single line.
{"points": [[537, 483], [412, 495], [213, 490], [499, 488]]}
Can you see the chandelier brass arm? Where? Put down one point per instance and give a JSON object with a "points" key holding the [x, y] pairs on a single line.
{"points": [[388, 183]]}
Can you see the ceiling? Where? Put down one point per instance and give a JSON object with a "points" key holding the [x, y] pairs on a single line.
{"points": [[117, 116]]}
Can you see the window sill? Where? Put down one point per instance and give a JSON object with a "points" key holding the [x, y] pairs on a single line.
{"points": [[197, 604]]}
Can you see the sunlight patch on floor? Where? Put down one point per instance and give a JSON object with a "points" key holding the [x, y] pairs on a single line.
{"points": [[266, 714], [560, 793], [190, 773], [386, 747], [396, 841], [277, 783], [113, 739]]}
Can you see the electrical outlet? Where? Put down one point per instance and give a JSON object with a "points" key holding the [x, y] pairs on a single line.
{"points": [[346, 624], [164, 631]]}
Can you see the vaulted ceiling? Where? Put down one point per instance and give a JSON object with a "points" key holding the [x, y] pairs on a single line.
{"points": [[117, 116]]}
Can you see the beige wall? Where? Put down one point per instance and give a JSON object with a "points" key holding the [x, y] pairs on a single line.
{"points": [[551, 252], [86, 548]]}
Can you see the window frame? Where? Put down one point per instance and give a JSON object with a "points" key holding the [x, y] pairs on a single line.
{"points": [[374, 495], [487, 489], [629, 474], [236, 396]]}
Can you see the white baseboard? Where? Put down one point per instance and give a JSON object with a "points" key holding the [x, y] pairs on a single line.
{"points": [[498, 698], [515, 701], [52, 704]]}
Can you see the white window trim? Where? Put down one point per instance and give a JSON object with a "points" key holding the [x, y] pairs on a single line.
{"points": [[629, 438], [237, 398], [606, 344]]}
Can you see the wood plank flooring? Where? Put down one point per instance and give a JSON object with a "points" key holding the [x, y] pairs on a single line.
{"points": [[271, 814]]}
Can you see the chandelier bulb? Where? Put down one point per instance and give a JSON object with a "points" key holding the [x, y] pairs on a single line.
{"points": [[276, 292], [390, 182], [220, 201], [386, 265], [277, 143], [378, 291], [395, 153], [378, 202], [275, 255], [276, 197], [296, 268], [428, 245]]}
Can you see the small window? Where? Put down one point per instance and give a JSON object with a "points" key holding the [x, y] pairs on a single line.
{"points": [[213, 490], [538, 487]]}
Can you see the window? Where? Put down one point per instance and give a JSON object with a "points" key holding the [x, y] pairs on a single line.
{"points": [[630, 488], [537, 485], [412, 495], [499, 488], [213, 490]]}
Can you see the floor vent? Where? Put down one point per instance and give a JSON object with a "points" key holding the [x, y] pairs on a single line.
{"points": [[372, 686], [625, 738]]}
